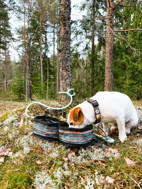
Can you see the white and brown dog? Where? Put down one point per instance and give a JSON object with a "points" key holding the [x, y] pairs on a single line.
{"points": [[115, 108]]}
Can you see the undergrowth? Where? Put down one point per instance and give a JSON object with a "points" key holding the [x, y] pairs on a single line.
{"points": [[41, 164]]}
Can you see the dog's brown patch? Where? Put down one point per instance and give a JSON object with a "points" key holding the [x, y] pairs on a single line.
{"points": [[76, 116]]}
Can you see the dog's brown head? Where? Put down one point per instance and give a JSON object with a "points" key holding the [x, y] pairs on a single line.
{"points": [[81, 116], [76, 116]]}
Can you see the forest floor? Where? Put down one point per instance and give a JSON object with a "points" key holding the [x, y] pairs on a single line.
{"points": [[30, 162]]}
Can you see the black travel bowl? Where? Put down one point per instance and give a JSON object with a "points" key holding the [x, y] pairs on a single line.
{"points": [[46, 127], [75, 137]]}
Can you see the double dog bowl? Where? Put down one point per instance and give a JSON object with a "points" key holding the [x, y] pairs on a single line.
{"points": [[51, 128]]}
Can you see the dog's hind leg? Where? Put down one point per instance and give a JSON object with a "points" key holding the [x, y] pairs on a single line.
{"points": [[131, 123], [121, 128]]}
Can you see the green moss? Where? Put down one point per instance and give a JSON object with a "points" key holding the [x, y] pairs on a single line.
{"points": [[19, 181], [3, 117]]}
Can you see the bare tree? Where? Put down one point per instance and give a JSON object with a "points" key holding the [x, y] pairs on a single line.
{"points": [[109, 47], [109, 44], [28, 71], [93, 48], [41, 63]]}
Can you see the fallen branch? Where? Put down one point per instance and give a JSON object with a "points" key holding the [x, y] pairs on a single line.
{"points": [[133, 180], [91, 161], [134, 29], [3, 149]]}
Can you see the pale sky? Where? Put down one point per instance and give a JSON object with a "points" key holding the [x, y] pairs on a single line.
{"points": [[15, 24]]}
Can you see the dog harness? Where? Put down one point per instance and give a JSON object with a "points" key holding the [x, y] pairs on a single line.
{"points": [[96, 110]]}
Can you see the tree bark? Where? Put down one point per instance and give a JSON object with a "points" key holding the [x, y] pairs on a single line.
{"points": [[64, 48], [28, 67], [47, 61], [109, 47], [54, 70], [93, 49], [24, 66], [5, 72], [58, 81], [41, 63]]}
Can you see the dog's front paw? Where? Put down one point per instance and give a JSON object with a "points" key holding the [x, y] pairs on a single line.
{"points": [[122, 138]]}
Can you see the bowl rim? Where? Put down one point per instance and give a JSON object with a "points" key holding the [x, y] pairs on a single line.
{"points": [[43, 120], [63, 128]]}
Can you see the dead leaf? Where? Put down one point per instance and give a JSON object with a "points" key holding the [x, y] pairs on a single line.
{"points": [[18, 139], [38, 162], [101, 160], [52, 167], [33, 136], [8, 150], [1, 160], [112, 151], [21, 123], [129, 162], [140, 108], [2, 149], [71, 154], [62, 118], [132, 147], [140, 127], [38, 150], [116, 174], [5, 128], [5, 153], [17, 170], [65, 159], [109, 179], [10, 154]]}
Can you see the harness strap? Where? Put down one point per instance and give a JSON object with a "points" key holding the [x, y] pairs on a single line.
{"points": [[96, 110]]}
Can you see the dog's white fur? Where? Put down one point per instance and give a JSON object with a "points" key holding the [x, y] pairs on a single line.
{"points": [[115, 108]]}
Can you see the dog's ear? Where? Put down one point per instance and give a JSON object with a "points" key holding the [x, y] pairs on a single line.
{"points": [[77, 114], [89, 115]]}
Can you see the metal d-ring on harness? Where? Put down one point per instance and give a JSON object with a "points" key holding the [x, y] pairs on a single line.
{"points": [[49, 107], [97, 123]]}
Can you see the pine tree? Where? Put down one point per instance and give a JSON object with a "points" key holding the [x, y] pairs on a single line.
{"points": [[65, 48]]}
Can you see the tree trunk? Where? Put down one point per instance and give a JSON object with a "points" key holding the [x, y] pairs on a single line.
{"points": [[5, 72], [41, 63], [24, 66], [28, 81], [58, 81], [109, 47], [54, 70], [64, 48], [28, 67], [47, 90], [93, 49]]}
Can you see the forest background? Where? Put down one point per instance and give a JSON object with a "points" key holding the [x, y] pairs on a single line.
{"points": [[37, 75]]}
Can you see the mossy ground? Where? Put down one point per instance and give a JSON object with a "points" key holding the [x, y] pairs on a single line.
{"points": [[41, 164]]}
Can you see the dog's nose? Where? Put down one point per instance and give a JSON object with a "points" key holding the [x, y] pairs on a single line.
{"points": [[71, 123]]}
